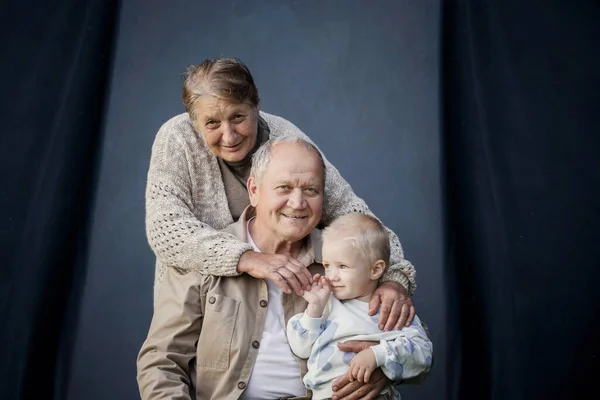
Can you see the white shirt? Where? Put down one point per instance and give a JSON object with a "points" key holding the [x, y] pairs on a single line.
{"points": [[276, 372]]}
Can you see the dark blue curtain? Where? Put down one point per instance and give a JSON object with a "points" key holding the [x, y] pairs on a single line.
{"points": [[55, 65], [522, 139]]}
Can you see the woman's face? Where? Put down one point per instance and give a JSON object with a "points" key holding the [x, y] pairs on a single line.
{"points": [[228, 129]]}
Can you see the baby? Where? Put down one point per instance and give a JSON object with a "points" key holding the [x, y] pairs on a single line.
{"points": [[355, 254]]}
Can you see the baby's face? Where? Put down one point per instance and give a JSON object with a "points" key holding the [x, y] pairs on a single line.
{"points": [[347, 270]]}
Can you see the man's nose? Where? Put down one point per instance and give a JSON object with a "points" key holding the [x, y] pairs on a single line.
{"points": [[296, 199]]}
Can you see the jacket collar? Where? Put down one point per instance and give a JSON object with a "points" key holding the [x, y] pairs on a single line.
{"points": [[310, 252]]}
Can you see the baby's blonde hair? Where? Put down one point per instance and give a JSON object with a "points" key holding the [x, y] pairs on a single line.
{"points": [[367, 234]]}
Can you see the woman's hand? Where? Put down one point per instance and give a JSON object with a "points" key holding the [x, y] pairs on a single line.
{"points": [[287, 272], [397, 308], [346, 389]]}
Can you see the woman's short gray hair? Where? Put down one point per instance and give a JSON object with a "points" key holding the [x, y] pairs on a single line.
{"points": [[225, 78], [262, 156]]}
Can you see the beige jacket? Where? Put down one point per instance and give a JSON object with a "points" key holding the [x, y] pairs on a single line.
{"points": [[206, 330]]}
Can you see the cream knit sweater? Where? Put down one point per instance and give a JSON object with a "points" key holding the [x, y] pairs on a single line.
{"points": [[186, 205]]}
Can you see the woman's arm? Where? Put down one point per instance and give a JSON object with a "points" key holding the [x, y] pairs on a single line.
{"points": [[179, 239], [174, 233], [340, 200]]}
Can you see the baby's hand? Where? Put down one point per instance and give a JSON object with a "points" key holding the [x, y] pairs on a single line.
{"points": [[317, 296], [362, 366]]}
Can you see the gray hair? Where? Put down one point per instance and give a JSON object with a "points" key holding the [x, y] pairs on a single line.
{"points": [[366, 233], [262, 157], [225, 78]]}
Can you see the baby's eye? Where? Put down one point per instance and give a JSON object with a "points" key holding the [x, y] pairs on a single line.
{"points": [[326, 266], [343, 267]]}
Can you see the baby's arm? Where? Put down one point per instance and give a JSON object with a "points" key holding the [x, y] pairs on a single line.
{"points": [[304, 329], [407, 356]]}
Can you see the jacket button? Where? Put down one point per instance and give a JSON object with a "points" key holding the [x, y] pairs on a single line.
{"points": [[255, 344], [242, 385], [263, 303], [212, 300]]}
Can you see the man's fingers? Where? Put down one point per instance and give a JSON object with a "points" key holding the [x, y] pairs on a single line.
{"points": [[354, 346], [341, 381], [394, 315], [384, 314], [346, 392], [358, 390], [373, 392], [411, 316], [403, 317], [374, 303]]}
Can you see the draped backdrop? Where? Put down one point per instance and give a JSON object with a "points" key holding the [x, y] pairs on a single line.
{"points": [[520, 128]]}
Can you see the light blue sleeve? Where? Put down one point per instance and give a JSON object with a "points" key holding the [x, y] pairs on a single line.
{"points": [[408, 355], [303, 331]]}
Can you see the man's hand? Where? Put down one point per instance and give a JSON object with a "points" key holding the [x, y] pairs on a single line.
{"points": [[317, 297], [345, 389], [362, 366], [397, 308], [287, 272]]}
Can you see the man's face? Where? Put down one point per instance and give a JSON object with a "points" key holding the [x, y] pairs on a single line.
{"points": [[289, 197]]}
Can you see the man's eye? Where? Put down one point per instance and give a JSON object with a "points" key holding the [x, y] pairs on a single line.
{"points": [[311, 190], [284, 187], [238, 116]]}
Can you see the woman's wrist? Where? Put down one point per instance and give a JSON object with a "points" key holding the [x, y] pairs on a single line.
{"points": [[245, 262]]}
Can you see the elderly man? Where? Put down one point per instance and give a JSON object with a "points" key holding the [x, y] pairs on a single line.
{"points": [[224, 337]]}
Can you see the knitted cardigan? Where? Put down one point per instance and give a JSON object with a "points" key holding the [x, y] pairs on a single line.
{"points": [[186, 205]]}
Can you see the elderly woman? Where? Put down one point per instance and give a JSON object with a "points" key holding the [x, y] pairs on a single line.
{"points": [[197, 185]]}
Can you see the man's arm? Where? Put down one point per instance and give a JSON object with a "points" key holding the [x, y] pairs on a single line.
{"points": [[163, 362]]}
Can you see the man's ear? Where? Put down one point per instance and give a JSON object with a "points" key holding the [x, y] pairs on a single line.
{"points": [[377, 269], [252, 191]]}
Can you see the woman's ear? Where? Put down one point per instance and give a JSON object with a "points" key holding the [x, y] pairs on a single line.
{"points": [[252, 191], [377, 269]]}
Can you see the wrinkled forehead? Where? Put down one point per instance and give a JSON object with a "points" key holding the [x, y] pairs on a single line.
{"points": [[294, 160]]}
